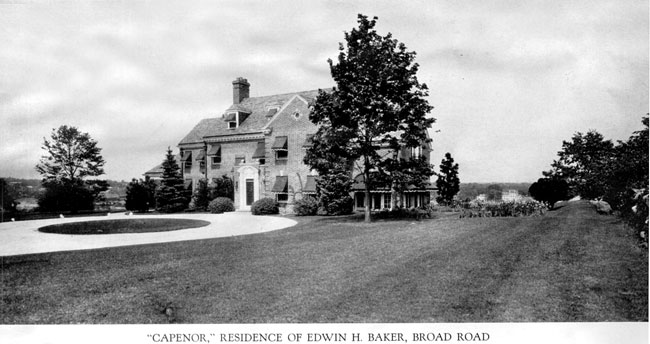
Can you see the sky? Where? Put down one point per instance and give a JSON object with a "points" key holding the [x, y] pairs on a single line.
{"points": [[509, 80]]}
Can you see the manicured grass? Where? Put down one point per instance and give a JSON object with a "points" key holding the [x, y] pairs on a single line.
{"points": [[123, 226], [569, 265]]}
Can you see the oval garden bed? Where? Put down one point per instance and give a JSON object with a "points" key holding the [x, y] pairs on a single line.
{"points": [[123, 226]]}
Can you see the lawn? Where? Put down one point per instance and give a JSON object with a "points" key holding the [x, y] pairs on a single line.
{"points": [[123, 226], [568, 265]]}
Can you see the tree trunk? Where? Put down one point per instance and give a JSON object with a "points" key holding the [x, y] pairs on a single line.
{"points": [[366, 177]]}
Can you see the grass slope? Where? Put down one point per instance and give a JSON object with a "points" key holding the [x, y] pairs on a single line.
{"points": [[569, 265]]}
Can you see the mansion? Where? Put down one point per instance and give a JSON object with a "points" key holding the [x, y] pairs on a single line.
{"points": [[260, 143]]}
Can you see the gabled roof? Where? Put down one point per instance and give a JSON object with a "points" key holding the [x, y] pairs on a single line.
{"points": [[254, 123]]}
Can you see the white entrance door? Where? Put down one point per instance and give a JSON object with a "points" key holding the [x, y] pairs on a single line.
{"points": [[249, 186]]}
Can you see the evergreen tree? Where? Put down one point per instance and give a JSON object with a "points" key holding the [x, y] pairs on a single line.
{"points": [[171, 196], [137, 196], [448, 183], [377, 104]]}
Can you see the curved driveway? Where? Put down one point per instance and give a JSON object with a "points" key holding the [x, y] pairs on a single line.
{"points": [[23, 237]]}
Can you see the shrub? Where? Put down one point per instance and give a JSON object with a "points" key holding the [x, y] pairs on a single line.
{"points": [[306, 206], [200, 198], [503, 209], [265, 206], [222, 187], [65, 196], [221, 205]]}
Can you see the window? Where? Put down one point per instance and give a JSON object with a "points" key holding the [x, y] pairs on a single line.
{"points": [[387, 200], [416, 152], [261, 161], [280, 148], [281, 155], [361, 200], [376, 201], [187, 160], [215, 155], [296, 115], [282, 197], [281, 189], [240, 160], [232, 125]]}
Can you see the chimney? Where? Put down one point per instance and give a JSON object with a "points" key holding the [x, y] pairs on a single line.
{"points": [[240, 89]]}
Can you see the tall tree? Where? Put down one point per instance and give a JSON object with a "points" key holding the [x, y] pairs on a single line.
{"points": [[171, 196], [378, 104], [584, 164], [71, 156], [448, 182]]}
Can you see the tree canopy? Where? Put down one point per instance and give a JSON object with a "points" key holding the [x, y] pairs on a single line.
{"points": [[549, 190], [377, 105], [582, 163], [70, 156], [594, 167]]}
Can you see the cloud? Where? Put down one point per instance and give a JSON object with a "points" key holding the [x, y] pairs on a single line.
{"points": [[138, 76]]}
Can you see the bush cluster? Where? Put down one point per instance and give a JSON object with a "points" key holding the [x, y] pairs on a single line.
{"points": [[265, 206], [503, 209], [306, 206], [221, 205], [406, 213]]}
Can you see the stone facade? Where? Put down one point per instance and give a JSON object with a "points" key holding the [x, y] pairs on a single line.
{"points": [[242, 140], [259, 143]]}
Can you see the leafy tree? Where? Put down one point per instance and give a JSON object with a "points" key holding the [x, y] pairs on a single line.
{"points": [[584, 163], [334, 180], [137, 196], [549, 191], [70, 157], [171, 196], [448, 183], [628, 170], [377, 105], [333, 192]]}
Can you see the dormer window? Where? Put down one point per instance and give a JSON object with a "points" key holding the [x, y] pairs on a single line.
{"points": [[234, 118], [272, 111]]}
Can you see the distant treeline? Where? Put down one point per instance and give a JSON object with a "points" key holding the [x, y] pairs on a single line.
{"points": [[471, 190], [31, 188]]}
